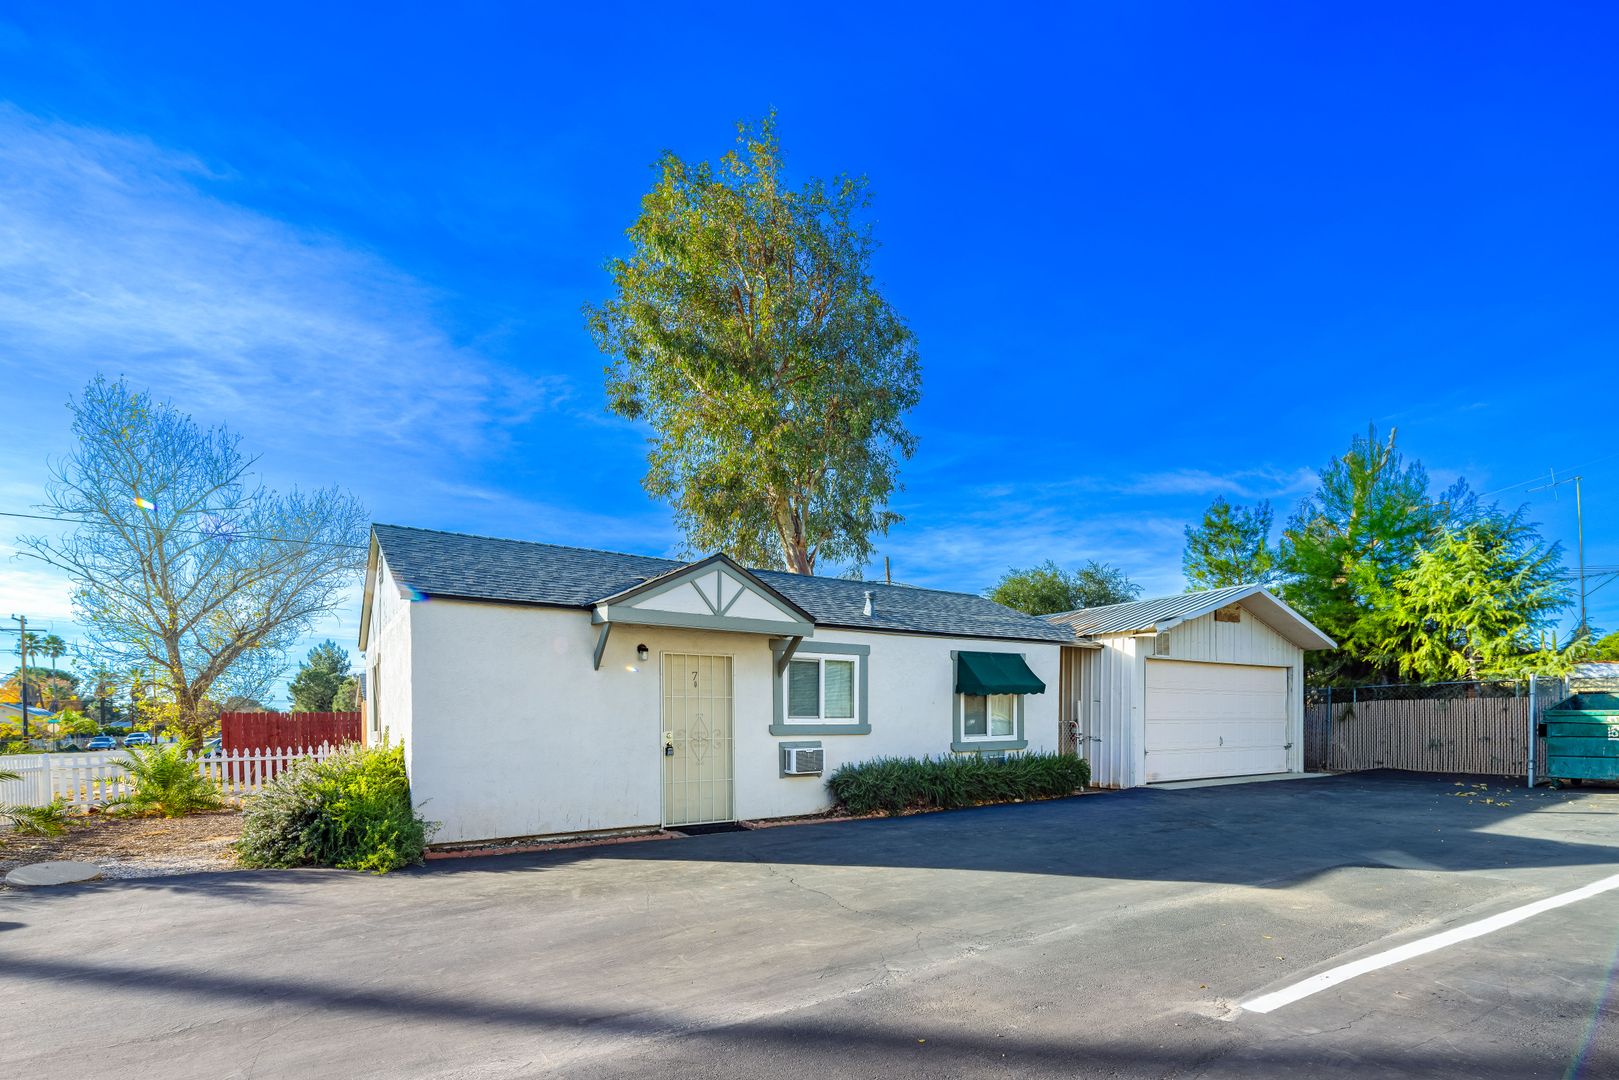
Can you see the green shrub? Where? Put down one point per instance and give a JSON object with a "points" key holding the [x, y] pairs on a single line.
{"points": [[166, 782], [351, 811], [895, 785], [49, 820]]}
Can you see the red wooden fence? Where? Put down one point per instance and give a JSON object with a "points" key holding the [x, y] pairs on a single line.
{"points": [[277, 731]]}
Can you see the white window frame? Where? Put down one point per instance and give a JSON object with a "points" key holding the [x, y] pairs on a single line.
{"points": [[820, 662], [1012, 700]]}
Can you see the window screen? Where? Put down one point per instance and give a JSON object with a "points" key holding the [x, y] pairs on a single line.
{"points": [[804, 688], [974, 719], [1000, 714], [839, 689]]}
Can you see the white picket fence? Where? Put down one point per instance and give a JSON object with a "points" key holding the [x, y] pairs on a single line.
{"points": [[95, 779]]}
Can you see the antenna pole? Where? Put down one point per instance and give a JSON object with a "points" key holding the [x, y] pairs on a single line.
{"points": [[22, 672], [1579, 517]]}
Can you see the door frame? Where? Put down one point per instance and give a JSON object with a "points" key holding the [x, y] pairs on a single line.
{"points": [[663, 769]]}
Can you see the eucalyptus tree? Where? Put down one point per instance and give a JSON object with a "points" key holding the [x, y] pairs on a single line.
{"points": [[747, 331], [185, 566]]}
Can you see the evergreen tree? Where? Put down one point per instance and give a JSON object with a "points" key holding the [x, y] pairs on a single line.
{"points": [[1345, 546], [347, 698], [1230, 547], [1474, 604], [319, 677]]}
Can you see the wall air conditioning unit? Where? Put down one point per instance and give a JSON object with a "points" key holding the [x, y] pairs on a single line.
{"points": [[802, 760]]}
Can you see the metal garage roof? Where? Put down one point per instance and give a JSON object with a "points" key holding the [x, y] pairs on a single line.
{"points": [[1165, 612]]}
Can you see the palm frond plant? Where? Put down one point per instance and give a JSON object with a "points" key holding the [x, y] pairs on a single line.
{"points": [[166, 783], [48, 820]]}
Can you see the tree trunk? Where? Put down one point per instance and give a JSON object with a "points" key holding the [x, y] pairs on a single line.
{"points": [[191, 720]]}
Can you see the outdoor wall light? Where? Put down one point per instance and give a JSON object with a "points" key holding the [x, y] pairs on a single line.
{"points": [[642, 652]]}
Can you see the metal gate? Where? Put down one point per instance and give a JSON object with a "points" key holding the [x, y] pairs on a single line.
{"points": [[697, 739]]}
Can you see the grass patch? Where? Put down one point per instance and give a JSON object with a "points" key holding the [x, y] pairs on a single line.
{"points": [[351, 811], [895, 785]]}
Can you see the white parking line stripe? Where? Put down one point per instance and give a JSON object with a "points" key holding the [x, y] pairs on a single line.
{"points": [[1344, 972]]}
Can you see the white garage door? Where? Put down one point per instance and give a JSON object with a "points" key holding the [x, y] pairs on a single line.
{"points": [[1214, 720]]}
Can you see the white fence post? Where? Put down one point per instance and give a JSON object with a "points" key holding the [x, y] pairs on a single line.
{"points": [[94, 779]]}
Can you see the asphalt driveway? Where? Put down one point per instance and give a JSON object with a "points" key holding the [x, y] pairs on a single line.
{"points": [[1106, 935]]}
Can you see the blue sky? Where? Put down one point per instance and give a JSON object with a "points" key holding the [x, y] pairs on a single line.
{"points": [[1153, 253]]}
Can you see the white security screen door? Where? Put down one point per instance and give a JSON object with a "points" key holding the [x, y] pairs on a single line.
{"points": [[697, 726]]}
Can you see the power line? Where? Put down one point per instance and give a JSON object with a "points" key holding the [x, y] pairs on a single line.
{"points": [[223, 534], [1539, 479]]}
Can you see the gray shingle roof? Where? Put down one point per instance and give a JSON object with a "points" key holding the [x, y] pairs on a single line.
{"points": [[524, 572]]}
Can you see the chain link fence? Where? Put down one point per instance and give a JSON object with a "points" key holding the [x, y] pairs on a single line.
{"points": [[1483, 727]]}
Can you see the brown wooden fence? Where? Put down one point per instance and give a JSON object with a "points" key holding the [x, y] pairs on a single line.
{"points": [[278, 731], [1460, 728]]}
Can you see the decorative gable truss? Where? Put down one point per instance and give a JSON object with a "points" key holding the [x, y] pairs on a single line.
{"points": [[714, 594]]}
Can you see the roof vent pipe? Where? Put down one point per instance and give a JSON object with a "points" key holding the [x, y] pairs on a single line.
{"points": [[870, 607]]}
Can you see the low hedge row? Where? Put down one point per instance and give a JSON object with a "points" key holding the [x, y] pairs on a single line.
{"points": [[894, 784]]}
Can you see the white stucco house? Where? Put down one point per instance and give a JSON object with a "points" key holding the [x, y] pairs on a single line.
{"points": [[541, 690]]}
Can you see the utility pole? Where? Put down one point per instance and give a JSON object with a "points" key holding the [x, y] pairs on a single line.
{"points": [[1579, 520], [22, 672]]}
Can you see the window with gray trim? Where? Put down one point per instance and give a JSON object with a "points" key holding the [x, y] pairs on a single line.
{"points": [[992, 723], [820, 688]]}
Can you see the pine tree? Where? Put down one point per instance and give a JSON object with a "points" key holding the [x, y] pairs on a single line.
{"points": [[1230, 547], [319, 677]]}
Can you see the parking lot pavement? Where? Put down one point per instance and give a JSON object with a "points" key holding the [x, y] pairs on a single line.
{"points": [[1108, 935]]}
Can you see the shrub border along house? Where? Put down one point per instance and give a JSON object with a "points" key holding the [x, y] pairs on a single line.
{"points": [[896, 784]]}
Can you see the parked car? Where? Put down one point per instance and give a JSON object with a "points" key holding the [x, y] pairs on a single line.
{"points": [[138, 738], [212, 746], [102, 742]]}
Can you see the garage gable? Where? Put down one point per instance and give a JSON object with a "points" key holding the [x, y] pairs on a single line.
{"points": [[1227, 636]]}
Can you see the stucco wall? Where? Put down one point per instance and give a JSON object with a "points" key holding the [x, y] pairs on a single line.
{"points": [[516, 735], [388, 663], [911, 684]]}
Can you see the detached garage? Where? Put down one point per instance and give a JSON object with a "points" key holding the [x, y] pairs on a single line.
{"points": [[1193, 686]]}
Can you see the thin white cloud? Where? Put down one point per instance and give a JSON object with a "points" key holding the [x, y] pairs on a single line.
{"points": [[116, 256], [1263, 483], [29, 587], [120, 256]]}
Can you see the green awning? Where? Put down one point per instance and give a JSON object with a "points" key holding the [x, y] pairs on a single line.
{"points": [[995, 673]]}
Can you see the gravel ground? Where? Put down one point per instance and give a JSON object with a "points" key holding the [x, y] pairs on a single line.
{"points": [[134, 847]]}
